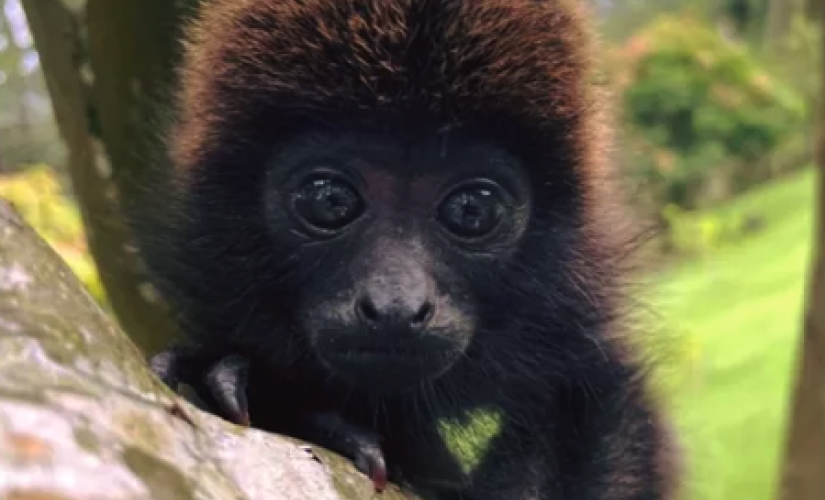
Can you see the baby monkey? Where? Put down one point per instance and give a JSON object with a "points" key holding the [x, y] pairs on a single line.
{"points": [[386, 215]]}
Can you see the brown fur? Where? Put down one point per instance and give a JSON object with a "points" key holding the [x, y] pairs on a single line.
{"points": [[490, 62]]}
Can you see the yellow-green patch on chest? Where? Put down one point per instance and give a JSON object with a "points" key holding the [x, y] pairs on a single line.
{"points": [[469, 439]]}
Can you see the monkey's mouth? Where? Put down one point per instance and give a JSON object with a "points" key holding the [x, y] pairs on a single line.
{"points": [[376, 365]]}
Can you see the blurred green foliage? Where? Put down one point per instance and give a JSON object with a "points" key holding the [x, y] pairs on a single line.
{"points": [[696, 233], [703, 114], [39, 197]]}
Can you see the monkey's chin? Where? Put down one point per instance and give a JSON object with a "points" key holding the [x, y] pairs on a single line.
{"points": [[387, 370]]}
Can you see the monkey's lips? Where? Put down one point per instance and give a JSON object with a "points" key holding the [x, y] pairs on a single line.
{"points": [[376, 364]]}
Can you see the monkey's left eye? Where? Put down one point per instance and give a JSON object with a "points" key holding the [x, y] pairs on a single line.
{"points": [[328, 203], [472, 211]]}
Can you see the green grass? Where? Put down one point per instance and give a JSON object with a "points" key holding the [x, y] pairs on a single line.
{"points": [[739, 310]]}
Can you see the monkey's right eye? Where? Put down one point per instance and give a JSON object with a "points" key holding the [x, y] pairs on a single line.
{"points": [[328, 203]]}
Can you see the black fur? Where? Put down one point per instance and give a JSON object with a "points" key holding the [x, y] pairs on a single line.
{"points": [[546, 352]]}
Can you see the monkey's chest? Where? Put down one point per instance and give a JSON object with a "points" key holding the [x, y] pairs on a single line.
{"points": [[431, 453]]}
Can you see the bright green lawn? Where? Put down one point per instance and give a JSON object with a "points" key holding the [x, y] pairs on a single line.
{"points": [[740, 309]]}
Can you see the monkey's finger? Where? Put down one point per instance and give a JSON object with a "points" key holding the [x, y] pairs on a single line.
{"points": [[227, 383], [370, 462], [165, 366]]}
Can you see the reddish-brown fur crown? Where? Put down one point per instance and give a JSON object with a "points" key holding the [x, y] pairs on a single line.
{"points": [[513, 65]]}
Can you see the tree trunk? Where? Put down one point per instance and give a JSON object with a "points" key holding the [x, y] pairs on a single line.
{"points": [[803, 475], [779, 19], [107, 66]]}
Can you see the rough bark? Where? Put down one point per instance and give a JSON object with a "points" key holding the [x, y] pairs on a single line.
{"points": [[106, 66], [81, 417], [803, 475]]}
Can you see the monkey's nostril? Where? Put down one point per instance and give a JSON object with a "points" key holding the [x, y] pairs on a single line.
{"points": [[423, 315], [367, 310]]}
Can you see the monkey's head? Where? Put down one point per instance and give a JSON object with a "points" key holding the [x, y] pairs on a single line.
{"points": [[399, 178], [390, 232]]}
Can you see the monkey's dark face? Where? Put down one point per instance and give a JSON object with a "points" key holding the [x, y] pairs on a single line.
{"points": [[388, 236]]}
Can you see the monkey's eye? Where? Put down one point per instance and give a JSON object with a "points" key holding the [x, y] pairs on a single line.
{"points": [[471, 211], [328, 203]]}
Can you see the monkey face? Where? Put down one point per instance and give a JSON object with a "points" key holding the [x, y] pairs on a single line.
{"points": [[393, 245], [389, 236]]}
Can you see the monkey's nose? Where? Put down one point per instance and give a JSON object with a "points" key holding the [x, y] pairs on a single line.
{"points": [[385, 312]]}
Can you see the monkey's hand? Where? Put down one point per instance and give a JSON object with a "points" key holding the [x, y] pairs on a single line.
{"points": [[362, 446], [225, 383]]}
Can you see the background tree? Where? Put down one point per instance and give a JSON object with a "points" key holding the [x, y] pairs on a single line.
{"points": [[27, 132], [780, 17], [803, 477], [107, 66]]}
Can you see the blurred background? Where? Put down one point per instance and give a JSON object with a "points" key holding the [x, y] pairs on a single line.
{"points": [[718, 103]]}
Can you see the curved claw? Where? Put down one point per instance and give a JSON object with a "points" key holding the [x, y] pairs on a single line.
{"points": [[227, 381], [369, 460], [165, 366], [361, 445]]}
